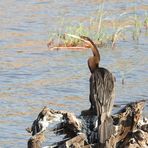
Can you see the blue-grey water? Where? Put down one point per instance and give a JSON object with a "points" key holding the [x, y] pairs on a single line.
{"points": [[32, 76]]}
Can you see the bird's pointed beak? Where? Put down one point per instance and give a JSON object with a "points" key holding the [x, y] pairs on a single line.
{"points": [[77, 37]]}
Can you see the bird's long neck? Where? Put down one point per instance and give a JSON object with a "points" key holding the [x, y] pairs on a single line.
{"points": [[95, 50], [93, 62]]}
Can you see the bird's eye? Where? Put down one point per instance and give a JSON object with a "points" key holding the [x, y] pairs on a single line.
{"points": [[86, 45]]}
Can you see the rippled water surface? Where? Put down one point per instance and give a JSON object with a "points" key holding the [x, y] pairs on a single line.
{"points": [[32, 76]]}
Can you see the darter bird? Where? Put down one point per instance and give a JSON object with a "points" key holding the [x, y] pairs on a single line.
{"points": [[101, 91]]}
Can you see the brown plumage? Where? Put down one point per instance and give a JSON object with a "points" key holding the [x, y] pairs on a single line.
{"points": [[93, 61], [101, 91]]}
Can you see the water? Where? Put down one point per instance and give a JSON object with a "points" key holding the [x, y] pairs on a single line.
{"points": [[32, 76]]}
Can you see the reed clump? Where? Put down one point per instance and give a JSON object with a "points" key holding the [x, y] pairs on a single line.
{"points": [[103, 31]]}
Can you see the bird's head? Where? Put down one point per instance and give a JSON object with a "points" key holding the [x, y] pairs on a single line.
{"points": [[86, 40]]}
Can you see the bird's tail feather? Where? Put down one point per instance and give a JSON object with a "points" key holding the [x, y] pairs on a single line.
{"points": [[105, 129]]}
